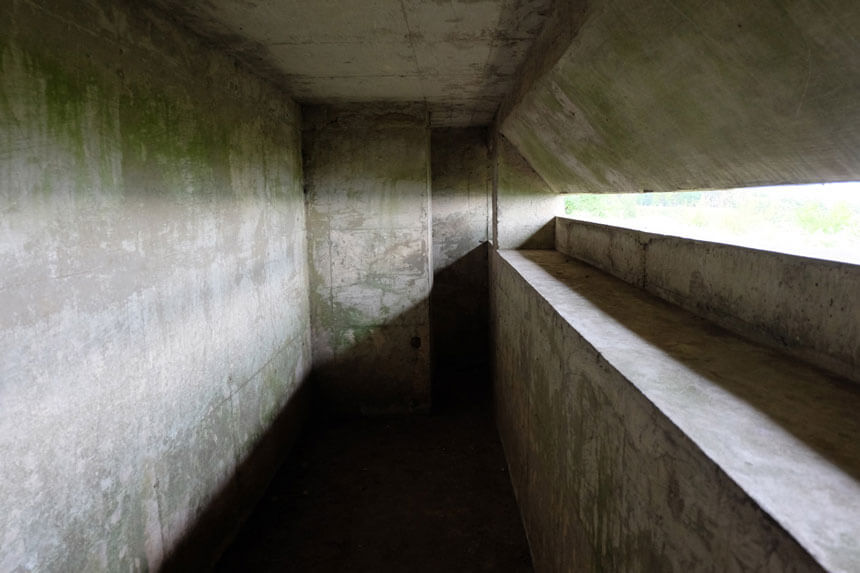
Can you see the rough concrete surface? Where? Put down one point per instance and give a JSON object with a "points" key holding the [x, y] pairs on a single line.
{"points": [[642, 438], [154, 318], [390, 494], [367, 175], [458, 57], [524, 207], [562, 23], [461, 188], [666, 95], [807, 307]]}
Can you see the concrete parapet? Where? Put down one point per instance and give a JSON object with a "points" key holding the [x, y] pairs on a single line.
{"points": [[643, 438], [807, 307]]}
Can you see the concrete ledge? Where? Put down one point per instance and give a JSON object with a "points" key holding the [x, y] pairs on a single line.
{"points": [[643, 438], [807, 307]]}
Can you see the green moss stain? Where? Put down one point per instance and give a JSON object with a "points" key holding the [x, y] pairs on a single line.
{"points": [[170, 143], [171, 149], [67, 111]]}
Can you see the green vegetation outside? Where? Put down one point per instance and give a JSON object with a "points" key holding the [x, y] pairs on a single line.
{"points": [[821, 221]]}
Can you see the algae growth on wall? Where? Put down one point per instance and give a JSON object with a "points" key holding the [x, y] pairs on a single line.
{"points": [[153, 319]]}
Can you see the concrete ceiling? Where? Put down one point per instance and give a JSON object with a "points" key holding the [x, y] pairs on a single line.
{"points": [[458, 56], [669, 96]]}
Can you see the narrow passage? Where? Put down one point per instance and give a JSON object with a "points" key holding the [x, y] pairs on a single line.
{"points": [[414, 493]]}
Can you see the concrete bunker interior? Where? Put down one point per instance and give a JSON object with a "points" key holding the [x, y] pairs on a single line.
{"points": [[220, 218]]}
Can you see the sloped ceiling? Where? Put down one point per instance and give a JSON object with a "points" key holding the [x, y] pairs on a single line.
{"points": [[669, 95]]}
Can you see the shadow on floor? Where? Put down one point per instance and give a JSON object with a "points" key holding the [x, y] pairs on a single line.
{"points": [[413, 493]]}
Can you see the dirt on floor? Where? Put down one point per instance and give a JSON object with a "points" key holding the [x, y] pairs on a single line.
{"points": [[414, 493]]}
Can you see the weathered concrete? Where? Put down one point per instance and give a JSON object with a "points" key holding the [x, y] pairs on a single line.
{"points": [[154, 318], [524, 207], [460, 57], [392, 494], [368, 201], [461, 189], [642, 438], [807, 307], [666, 96], [561, 25]]}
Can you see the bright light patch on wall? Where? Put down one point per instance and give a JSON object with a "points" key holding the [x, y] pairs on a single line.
{"points": [[821, 221]]}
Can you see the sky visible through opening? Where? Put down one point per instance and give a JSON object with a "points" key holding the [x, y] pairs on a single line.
{"points": [[820, 221]]}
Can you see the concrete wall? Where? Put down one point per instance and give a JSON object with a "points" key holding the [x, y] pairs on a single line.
{"points": [[807, 307], [154, 321], [368, 201], [641, 438], [524, 207], [461, 194], [665, 96]]}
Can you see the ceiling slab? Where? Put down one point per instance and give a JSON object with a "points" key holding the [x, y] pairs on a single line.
{"points": [[458, 56], [344, 60]]}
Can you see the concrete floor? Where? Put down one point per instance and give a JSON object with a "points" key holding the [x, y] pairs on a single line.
{"points": [[419, 493]]}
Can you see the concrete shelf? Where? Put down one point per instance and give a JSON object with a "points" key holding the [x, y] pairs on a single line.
{"points": [[714, 453]]}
